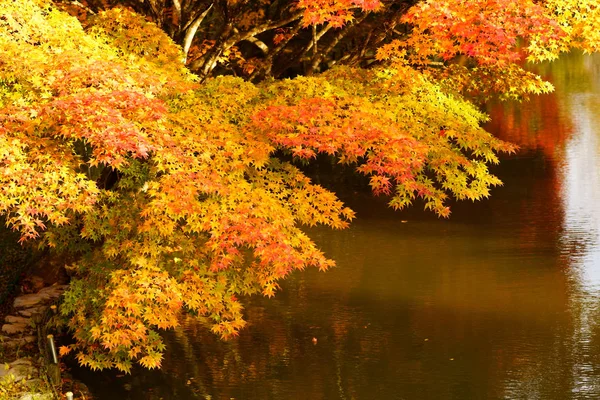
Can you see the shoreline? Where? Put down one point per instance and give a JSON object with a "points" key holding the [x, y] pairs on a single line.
{"points": [[28, 371]]}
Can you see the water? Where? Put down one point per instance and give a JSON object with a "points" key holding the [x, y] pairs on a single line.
{"points": [[501, 301]]}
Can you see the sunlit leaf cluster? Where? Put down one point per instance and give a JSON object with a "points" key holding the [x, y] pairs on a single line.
{"points": [[393, 125]]}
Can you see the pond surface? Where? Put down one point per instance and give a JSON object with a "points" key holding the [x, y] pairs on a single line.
{"points": [[501, 301]]}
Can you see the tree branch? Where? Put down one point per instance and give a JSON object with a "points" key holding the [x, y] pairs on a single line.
{"points": [[209, 63], [265, 27], [268, 62], [78, 4], [190, 32], [341, 34]]}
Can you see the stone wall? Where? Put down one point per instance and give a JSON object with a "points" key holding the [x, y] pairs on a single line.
{"points": [[26, 367]]}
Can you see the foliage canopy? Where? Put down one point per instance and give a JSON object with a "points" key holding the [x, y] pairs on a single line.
{"points": [[166, 181]]}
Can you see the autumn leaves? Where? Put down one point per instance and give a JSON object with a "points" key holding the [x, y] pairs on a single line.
{"points": [[202, 210]]}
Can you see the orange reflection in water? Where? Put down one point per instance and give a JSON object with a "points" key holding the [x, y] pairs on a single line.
{"points": [[541, 129], [539, 124]]}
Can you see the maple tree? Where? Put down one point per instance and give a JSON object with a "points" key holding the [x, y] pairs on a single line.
{"points": [[171, 184]]}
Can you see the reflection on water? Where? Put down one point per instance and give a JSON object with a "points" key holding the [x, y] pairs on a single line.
{"points": [[581, 236], [501, 301], [581, 195]]}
